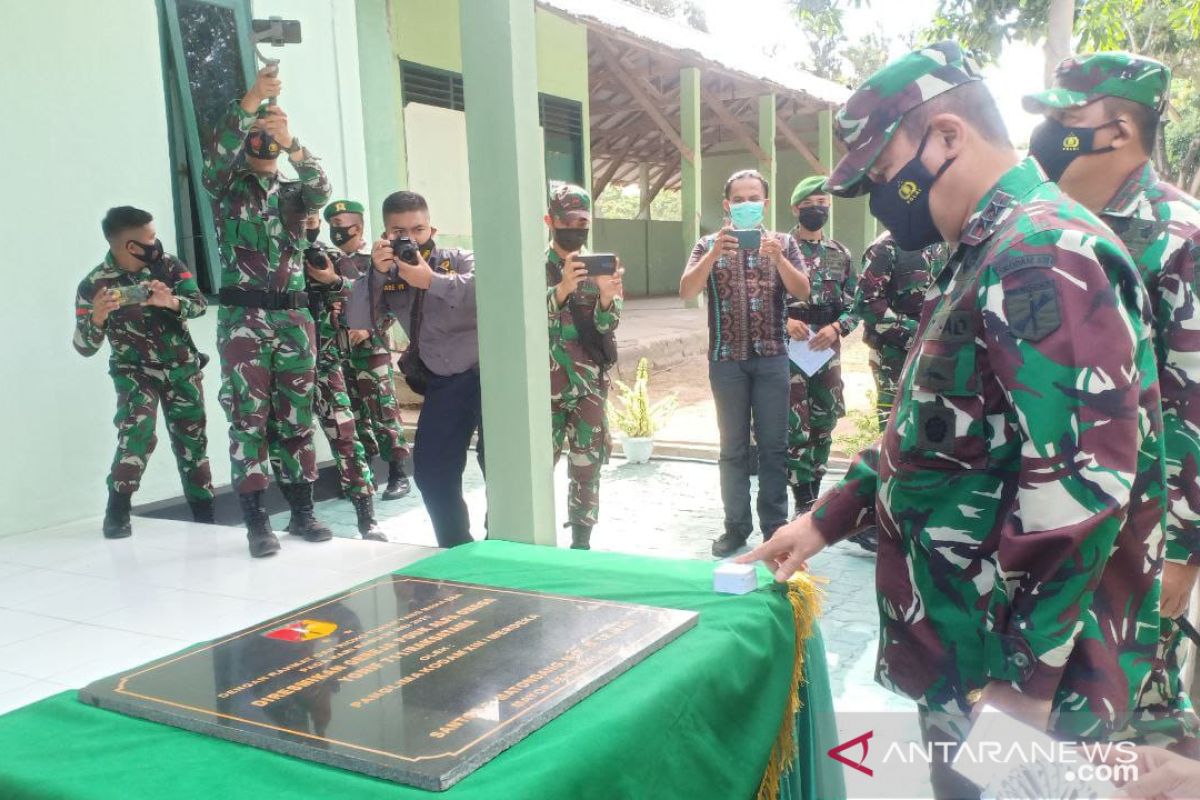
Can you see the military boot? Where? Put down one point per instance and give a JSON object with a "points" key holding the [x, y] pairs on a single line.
{"points": [[262, 539], [202, 511], [116, 516], [581, 537], [803, 495], [397, 484], [303, 522], [729, 543], [867, 539], [367, 526]]}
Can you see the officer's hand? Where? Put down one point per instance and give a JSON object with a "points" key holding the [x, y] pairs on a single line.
{"points": [[104, 303], [1160, 773], [1001, 695], [382, 256], [726, 244], [419, 275], [824, 338], [789, 550], [574, 272], [1177, 583], [326, 274], [266, 84], [771, 250], [162, 296], [358, 336], [611, 286], [797, 330], [276, 124]]}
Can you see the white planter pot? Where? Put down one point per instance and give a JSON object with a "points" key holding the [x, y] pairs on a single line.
{"points": [[637, 451]]}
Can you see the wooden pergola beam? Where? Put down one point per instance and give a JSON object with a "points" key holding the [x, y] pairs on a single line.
{"points": [[600, 184], [640, 96], [739, 128], [795, 141], [663, 177]]}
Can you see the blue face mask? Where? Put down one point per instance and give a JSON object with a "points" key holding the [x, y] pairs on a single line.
{"points": [[746, 215]]}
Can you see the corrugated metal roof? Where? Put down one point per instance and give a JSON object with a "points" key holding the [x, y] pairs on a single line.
{"points": [[704, 47]]}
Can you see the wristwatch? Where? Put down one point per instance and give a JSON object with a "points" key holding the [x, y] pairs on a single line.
{"points": [[295, 146]]}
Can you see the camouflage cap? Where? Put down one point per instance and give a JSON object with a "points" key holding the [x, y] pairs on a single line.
{"points": [[343, 207], [570, 202], [1081, 79], [813, 184], [873, 113]]}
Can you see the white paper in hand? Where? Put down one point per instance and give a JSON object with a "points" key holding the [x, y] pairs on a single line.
{"points": [[808, 360]]}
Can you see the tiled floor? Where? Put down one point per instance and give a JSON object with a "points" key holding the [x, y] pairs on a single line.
{"points": [[75, 607]]}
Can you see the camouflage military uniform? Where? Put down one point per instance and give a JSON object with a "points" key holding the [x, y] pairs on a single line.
{"points": [[152, 359], [578, 392], [816, 401], [370, 379], [1160, 225], [1018, 488], [890, 293], [267, 354]]}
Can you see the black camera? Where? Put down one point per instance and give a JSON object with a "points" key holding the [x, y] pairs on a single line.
{"points": [[315, 257], [405, 249]]}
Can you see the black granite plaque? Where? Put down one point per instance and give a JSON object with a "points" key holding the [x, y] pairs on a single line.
{"points": [[417, 681]]}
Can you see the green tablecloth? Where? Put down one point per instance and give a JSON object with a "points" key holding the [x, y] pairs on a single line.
{"points": [[694, 720]]}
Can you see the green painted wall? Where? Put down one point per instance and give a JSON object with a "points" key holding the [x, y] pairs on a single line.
{"points": [[652, 253], [383, 128]]}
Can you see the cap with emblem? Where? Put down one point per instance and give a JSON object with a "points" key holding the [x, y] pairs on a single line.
{"points": [[873, 113], [569, 202], [342, 207], [1081, 79], [813, 184]]}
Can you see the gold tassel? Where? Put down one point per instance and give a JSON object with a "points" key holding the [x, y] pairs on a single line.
{"points": [[805, 598]]}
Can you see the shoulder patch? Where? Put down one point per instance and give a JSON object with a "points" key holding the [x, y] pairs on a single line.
{"points": [[1009, 266], [1032, 310]]}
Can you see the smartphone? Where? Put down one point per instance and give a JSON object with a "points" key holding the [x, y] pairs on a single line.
{"points": [[748, 240], [599, 263], [132, 295]]}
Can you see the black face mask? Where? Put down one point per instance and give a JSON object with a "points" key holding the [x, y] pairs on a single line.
{"points": [[260, 144], [311, 234], [571, 240], [813, 218], [150, 253], [339, 236], [902, 204], [1055, 146]]}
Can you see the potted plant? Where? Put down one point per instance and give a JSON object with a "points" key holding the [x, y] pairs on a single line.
{"points": [[636, 418]]}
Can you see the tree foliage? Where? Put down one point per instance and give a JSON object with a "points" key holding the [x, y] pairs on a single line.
{"points": [[617, 202], [689, 12]]}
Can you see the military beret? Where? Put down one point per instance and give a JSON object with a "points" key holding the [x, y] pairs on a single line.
{"points": [[873, 113], [813, 184], [1079, 80], [342, 207], [569, 201]]}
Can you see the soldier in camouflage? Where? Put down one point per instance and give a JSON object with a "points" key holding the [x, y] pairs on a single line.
{"points": [[816, 402], [264, 328], [152, 359], [1019, 488], [1102, 115], [891, 290], [370, 375], [328, 287], [583, 314]]}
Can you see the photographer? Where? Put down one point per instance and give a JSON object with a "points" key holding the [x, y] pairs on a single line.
{"points": [[264, 328], [584, 311], [430, 291], [139, 299], [748, 361], [370, 379]]}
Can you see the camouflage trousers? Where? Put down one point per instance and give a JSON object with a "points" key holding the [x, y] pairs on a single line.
{"points": [[816, 405], [370, 383], [267, 377], [579, 423], [139, 391], [1164, 715], [886, 365], [331, 404]]}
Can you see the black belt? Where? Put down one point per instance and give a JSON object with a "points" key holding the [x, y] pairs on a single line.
{"points": [[261, 298]]}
